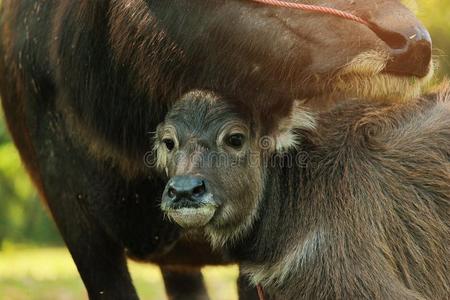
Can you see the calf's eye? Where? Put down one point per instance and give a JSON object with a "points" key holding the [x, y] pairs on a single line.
{"points": [[235, 140], [170, 144]]}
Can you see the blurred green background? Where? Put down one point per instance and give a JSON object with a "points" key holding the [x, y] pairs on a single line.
{"points": [[32, 263]]}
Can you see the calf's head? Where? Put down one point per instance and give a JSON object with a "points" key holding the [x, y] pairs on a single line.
{"points": [[214, 158]]}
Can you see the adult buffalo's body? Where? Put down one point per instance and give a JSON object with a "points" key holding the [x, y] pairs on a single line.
{"points": [[83, 83], [359, 208]]}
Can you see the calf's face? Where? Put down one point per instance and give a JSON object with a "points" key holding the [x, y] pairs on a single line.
{"points": [[207, 152], [214, 160]]}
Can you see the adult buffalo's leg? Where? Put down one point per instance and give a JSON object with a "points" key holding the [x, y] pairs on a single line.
{"points": [[184, 283], [187, 283], [65, 177], [100, 261], [71, 183], [99, 258]]}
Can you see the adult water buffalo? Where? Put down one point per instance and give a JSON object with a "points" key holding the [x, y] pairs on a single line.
{"points": [[84, 82], [357, 208]]}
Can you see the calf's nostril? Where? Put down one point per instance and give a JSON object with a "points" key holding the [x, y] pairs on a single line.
{"points": [[199, 190], [172, 193]]}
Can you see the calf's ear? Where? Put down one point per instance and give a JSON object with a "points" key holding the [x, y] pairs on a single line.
{"points": [[300, 117], [158, 149]]}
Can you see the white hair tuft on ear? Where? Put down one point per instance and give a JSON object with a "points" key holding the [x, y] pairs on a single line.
{"points": [[300, 118]]}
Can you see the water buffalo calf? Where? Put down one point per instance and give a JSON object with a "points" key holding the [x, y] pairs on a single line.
{"points": [[358, 208]]}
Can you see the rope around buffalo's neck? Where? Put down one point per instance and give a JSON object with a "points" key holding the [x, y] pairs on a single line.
{"points": [[315, 9]]}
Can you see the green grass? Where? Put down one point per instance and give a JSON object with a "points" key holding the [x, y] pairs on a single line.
{"points": [[50, 274]]}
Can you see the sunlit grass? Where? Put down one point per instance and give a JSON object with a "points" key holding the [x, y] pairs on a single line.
{"points": [[50, 274]]}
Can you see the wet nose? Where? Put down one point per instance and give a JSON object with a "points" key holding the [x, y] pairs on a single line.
{"points": [[186, 187], [410, 49]]}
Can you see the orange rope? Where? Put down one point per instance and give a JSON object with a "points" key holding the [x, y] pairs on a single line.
{"points": [[316, 9]]}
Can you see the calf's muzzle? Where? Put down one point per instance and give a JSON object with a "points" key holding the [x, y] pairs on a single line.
{"points": [[188, 201]]}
